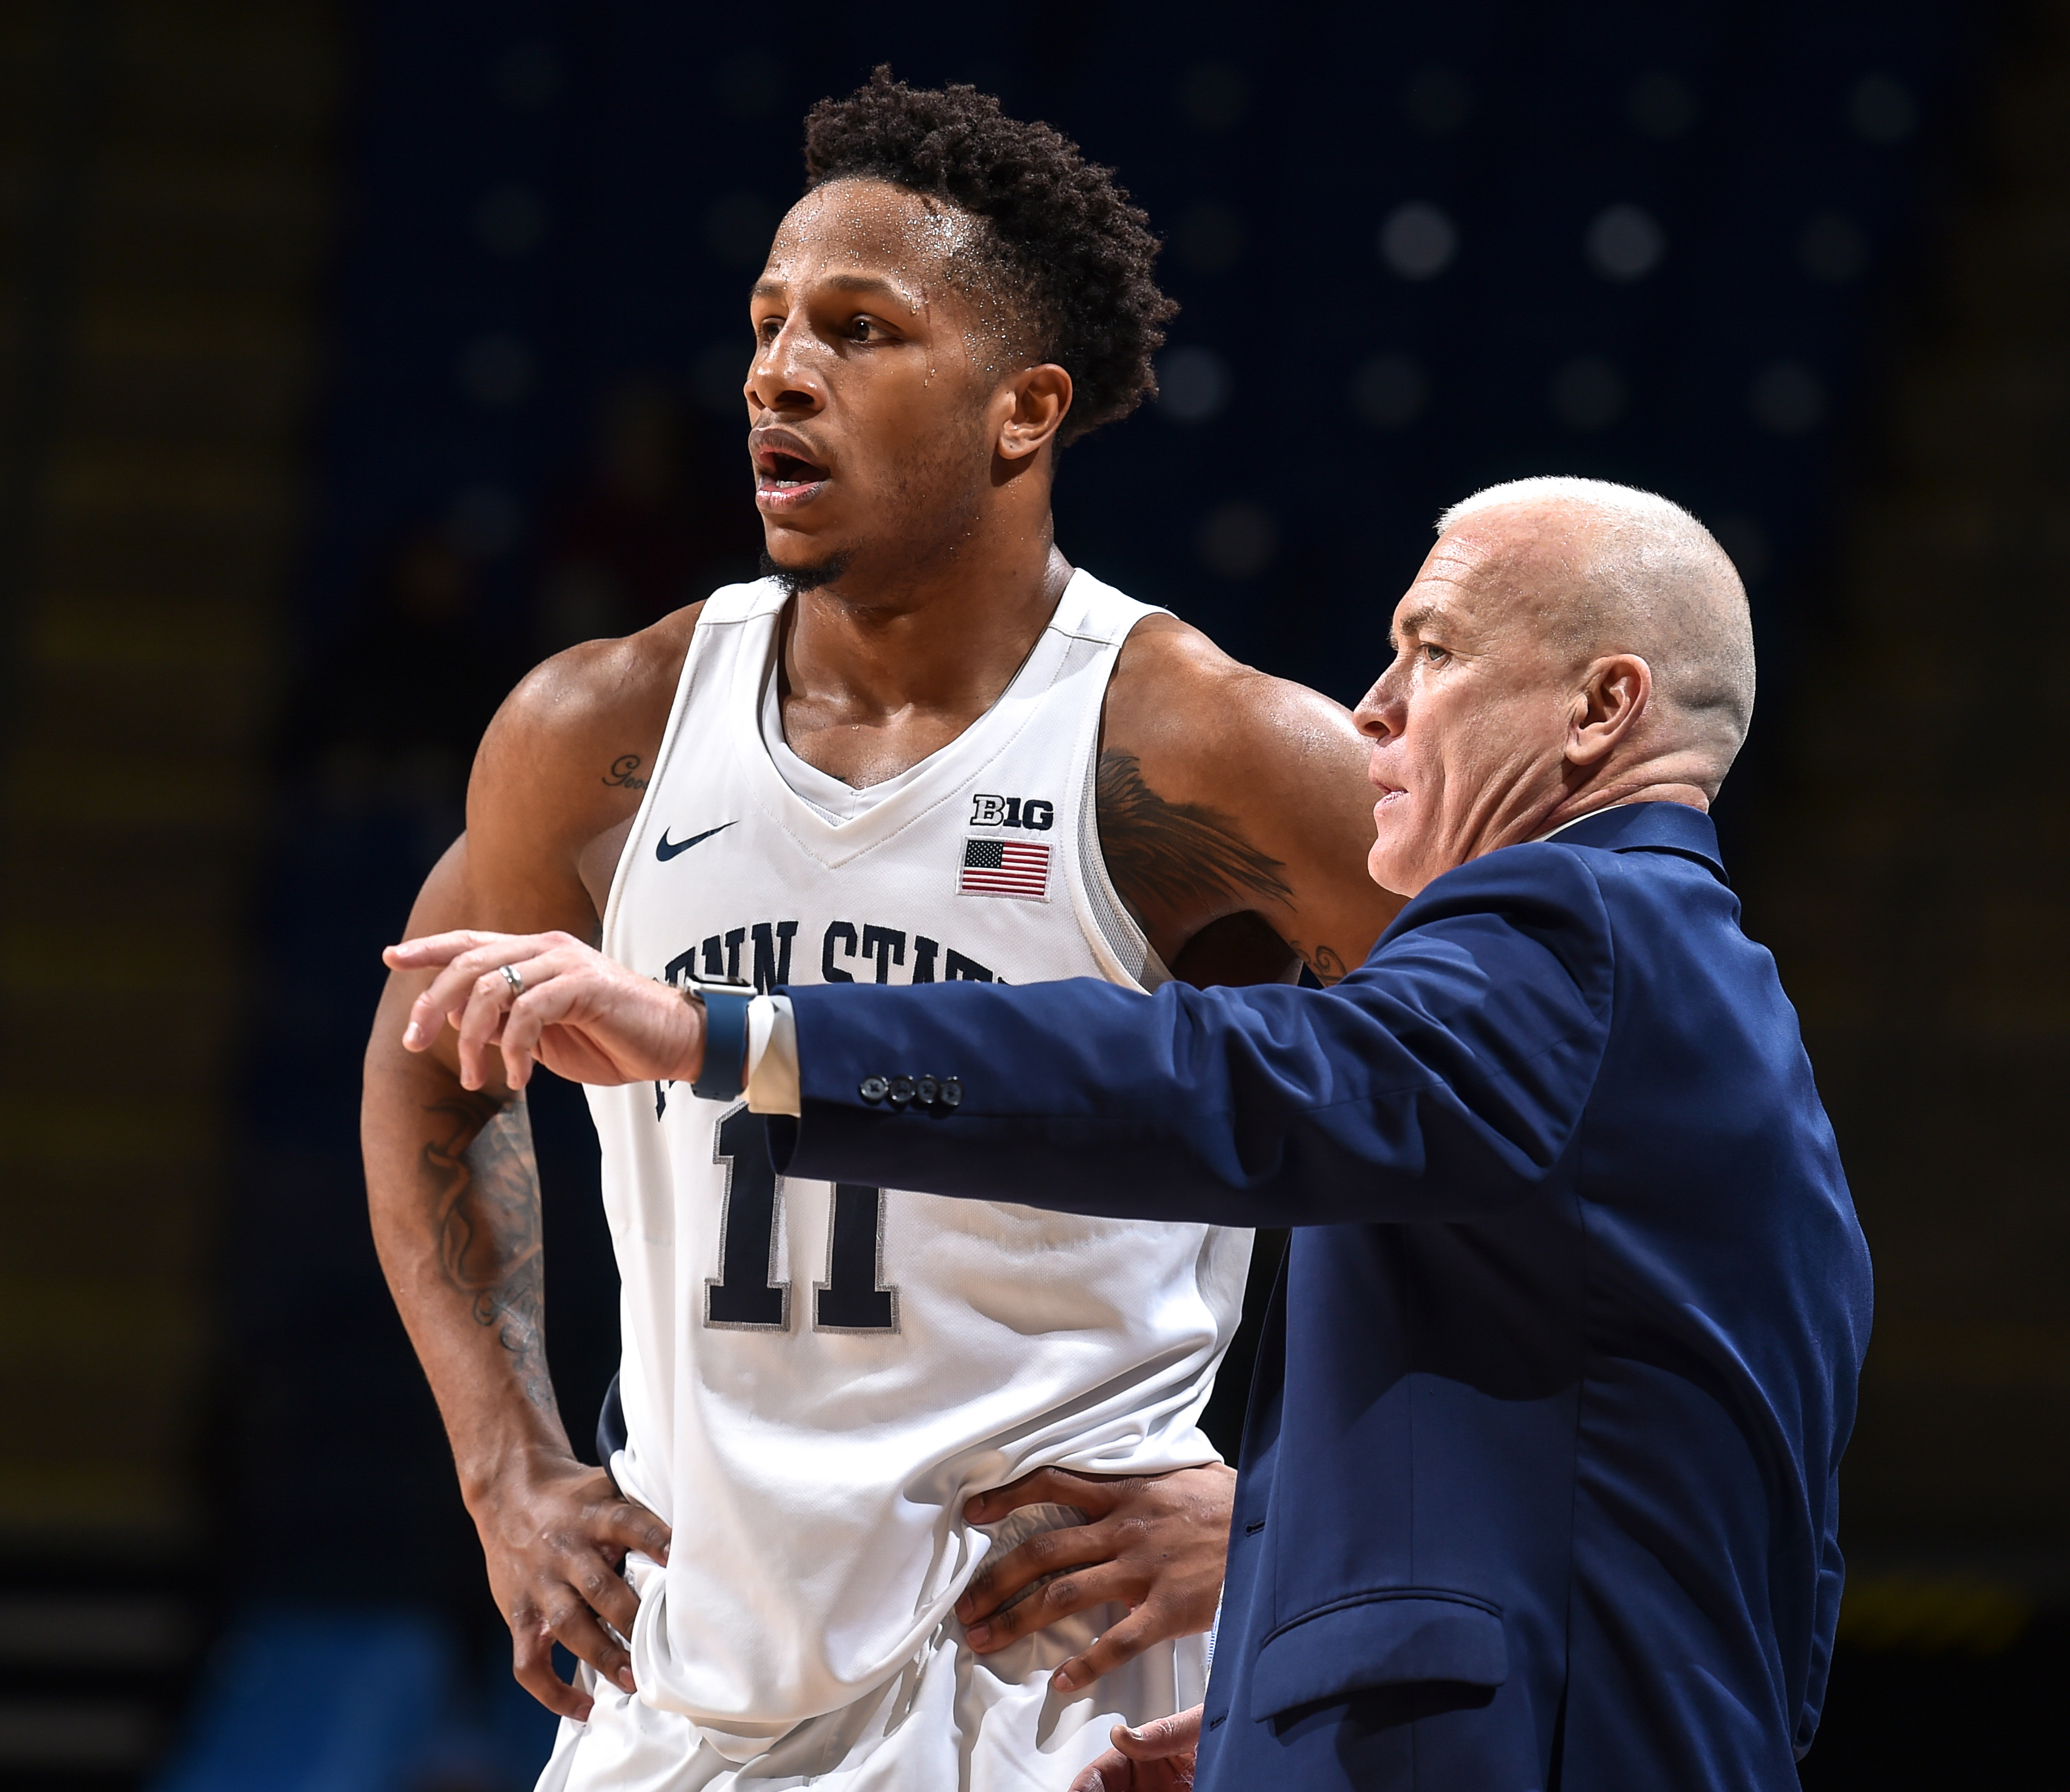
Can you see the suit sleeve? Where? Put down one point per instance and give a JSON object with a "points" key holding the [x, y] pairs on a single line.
{"points": [[1443, 1078]]}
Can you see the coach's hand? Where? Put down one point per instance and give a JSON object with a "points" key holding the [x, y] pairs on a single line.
{"points": [[548, 997], [1158, 1758], [1155, 1542], [555, 1533]]}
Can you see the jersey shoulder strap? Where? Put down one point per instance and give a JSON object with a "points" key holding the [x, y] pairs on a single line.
{"points": [[735, 604], [1093, 610]]}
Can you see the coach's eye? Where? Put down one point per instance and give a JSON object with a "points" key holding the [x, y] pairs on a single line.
{"points": [[1435, 654]]}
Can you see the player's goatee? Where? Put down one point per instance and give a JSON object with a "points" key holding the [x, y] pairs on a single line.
{"points": [[794, 579]]}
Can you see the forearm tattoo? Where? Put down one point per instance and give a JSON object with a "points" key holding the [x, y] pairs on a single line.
{"points": [[484, 1178], [1167, 855]]}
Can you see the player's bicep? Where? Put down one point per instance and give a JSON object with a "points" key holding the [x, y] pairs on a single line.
{"points": [[1312, 810], [442, 901], [1337, 911], [528, 815], [442, 904]]}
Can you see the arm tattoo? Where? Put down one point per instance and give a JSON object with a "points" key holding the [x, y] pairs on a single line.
{"points": [[620, 775], [1325, 961], [1166, 855], [485, 1180]]}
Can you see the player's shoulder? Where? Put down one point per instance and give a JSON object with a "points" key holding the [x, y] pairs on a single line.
{"points": [[614, 687], [1173, 689], [573, 743]]}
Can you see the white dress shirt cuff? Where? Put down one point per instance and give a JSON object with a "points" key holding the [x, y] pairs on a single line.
{"points": [[772, 1056]]}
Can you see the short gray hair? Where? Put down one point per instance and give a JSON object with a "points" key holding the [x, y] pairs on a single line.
{"points": [[1653, 569]]}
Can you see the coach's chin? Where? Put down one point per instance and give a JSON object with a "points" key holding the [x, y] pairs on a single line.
{"points": [[1539, 1481]]}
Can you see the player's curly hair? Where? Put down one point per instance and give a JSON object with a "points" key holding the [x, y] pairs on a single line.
{"points": [[1063, 236]]}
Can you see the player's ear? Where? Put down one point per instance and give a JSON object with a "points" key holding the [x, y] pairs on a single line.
{"points": [[1040, 397]]}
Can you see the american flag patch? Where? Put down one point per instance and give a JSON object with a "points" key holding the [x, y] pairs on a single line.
{"points": [[1004, 868]]}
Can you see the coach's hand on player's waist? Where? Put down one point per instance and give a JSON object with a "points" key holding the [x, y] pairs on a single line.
{"points": [[1155, 1542], [549, 998]]}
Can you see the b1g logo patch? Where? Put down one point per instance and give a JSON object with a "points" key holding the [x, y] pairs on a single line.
{"points": [[1036, 813]]}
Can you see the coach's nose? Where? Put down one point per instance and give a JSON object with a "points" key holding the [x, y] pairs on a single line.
{"points": [[1380, 712]]}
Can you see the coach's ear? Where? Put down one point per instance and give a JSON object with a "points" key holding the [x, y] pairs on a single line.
{"points": [[1034, 404]]}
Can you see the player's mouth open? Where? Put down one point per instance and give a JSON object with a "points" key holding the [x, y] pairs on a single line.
{"points": [[783, 480]]}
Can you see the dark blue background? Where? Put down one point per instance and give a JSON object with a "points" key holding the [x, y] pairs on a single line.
{"points": [[547, 202]]}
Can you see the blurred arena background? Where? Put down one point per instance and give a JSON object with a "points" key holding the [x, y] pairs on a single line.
{"points": [[354, 356]]}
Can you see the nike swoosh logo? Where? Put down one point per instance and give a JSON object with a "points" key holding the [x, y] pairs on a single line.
{"points": [[665, 848]]}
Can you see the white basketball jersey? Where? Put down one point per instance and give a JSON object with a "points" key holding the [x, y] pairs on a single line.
{"points": [[814, 1378]]}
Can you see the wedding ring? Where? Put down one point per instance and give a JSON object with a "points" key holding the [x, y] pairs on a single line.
{"points": [[516, 982]]}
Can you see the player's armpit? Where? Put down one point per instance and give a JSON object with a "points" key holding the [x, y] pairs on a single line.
{"points": [[1155, 1542]]}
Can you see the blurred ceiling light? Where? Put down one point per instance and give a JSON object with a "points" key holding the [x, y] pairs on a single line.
{"points": [[1832, 248], [1624, 243], [1193, 385], [1789, 398], [738, 229], [1587, 393], [1437, 102], [1418, 241], [1390, 391], [1210, 237], [527, 76], [496, 370], [510, 221], [1213, 95], [1881, 110], [748, 84], [1662, 106], [1238, 540]]}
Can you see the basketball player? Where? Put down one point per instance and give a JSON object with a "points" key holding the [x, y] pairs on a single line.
{"points": [[923, 747]]}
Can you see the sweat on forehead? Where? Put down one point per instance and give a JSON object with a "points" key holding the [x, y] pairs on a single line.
{"points": [[918, 241]]}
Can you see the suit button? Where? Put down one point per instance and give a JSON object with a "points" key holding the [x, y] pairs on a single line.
{"points": [[926, 1091], [902, 1090], [872, 1089], [952, 1093]]}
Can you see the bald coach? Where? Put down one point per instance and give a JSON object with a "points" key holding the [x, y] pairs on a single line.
{"points": [[1538, 1486]]}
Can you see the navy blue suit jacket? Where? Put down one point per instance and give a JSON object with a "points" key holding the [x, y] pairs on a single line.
{"points": [[1538, 1485]]}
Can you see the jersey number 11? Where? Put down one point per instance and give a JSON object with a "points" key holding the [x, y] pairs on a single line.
{"points": [[746, 1295]]}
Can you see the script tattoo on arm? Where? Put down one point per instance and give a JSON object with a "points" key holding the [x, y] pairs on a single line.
{"points": [[485, 1180], [1169, 854], [620, 775]]}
